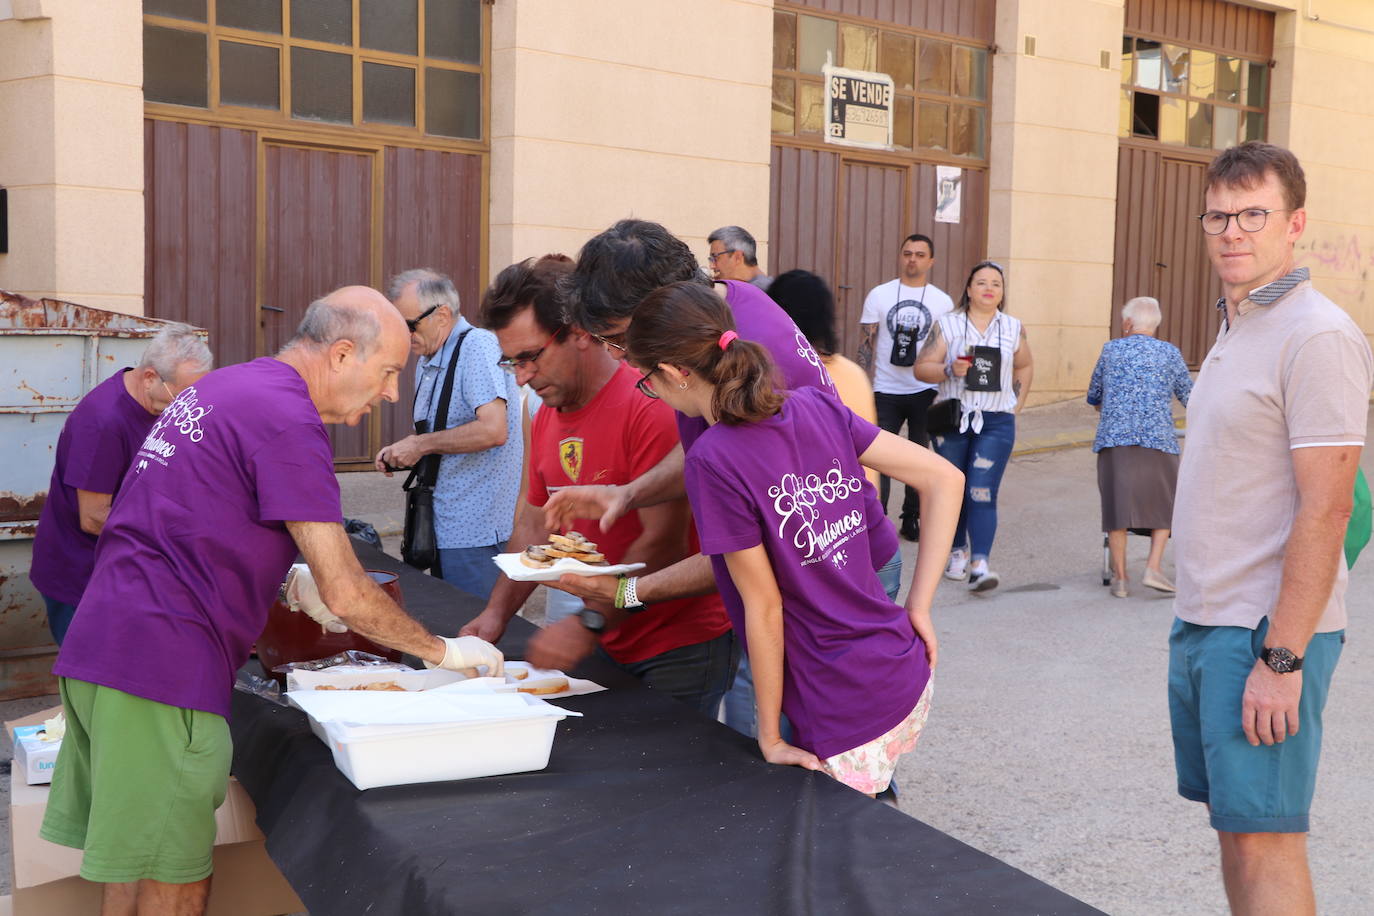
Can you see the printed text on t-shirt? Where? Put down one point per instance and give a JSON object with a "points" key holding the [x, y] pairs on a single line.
{"points": [[185, 414], [799, 501]]}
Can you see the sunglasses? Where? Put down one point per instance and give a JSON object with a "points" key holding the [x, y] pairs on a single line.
{"points": [[414, 323]]}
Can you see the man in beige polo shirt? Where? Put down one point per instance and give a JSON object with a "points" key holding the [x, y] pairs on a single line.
{"points": [[1276, 423]]}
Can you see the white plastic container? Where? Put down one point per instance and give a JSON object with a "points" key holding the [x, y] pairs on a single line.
{"points": [[412, 754], [460, 730]]}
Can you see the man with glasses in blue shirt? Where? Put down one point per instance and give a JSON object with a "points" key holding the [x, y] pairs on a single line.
{"points": [[479, 445]]}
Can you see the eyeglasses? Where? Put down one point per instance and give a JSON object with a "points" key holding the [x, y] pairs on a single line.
{"points": [[615, 341], [414, 323], [712, 256], [646, 387], [514, 364], [1252, 219]]}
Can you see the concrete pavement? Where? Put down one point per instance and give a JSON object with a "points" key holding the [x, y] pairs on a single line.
{"points": [[1048, 745]]}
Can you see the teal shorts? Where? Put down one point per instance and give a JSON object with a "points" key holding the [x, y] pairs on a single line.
{"points": [[136, 786], [1264, 789]]}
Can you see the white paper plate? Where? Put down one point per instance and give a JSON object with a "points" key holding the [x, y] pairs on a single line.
{"points": [[576, 685], [509, 563]]}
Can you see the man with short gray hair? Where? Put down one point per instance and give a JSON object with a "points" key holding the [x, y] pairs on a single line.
{"points": [[478, 443], [94, 451], [733, 255], [233, 480]]}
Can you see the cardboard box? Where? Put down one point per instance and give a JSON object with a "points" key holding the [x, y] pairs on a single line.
{"points": [[33, 756], [45, 875]]}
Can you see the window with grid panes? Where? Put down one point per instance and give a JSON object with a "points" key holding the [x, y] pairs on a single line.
{"points": [[940, 102], [1190, 96], [408, 65]]}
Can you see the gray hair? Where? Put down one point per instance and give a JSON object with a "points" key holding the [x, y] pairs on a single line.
{"points": [[325, 323], [172, 347], [431, 288], [736, 239], [1142, 312]]}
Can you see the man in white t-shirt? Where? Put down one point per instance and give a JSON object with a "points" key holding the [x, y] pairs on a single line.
{"points": [[896, 319]]}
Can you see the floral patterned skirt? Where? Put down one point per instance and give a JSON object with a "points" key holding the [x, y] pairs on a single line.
{"points": [[869, 767]]}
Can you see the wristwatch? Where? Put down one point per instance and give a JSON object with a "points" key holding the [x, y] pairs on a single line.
{"points": [[1281, 660], [627, 595], [595, 621]]}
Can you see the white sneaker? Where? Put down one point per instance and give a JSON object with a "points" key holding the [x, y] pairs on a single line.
{"points": [[982, 579], [957, 569]]}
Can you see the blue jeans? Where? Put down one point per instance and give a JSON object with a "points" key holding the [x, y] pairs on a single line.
{"points": [[739, 711], [891, 575], [59, 618], [983, 458], [469, 568], [698, 675]]}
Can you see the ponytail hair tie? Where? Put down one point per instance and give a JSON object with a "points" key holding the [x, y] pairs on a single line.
{"points": [[726, 338]]}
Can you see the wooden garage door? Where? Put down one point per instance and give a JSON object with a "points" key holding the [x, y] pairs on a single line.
{"points": [[317, 237], [874, 202], [319, 229], [1160, 250]]}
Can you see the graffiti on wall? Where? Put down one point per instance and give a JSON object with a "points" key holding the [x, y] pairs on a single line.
{"points": [[1340, 262]]}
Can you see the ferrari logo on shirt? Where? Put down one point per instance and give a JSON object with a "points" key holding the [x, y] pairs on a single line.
{"points": [[570, 456]]}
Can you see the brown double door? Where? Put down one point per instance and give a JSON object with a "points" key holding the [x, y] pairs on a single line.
{"points": [[844, 217], [244, 232], [1160, 250]]}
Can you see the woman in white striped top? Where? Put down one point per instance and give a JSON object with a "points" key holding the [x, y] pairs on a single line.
{"points": [[980, 357]]}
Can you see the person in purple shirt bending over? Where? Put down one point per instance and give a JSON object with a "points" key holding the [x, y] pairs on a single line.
{"points": [[615, 271], [94, 450], [234, 477], [776, 483]]}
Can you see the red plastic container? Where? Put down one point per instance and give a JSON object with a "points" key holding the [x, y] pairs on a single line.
{"points": [[291, 636]]}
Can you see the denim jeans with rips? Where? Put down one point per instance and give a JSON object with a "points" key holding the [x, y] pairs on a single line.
{"points": [[983, 457]]}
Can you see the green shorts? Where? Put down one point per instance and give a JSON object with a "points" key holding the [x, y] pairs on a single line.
{"points": [[136, 786]]}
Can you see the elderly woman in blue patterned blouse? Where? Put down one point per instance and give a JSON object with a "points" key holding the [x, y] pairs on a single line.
{"points": [[1133, 385]]}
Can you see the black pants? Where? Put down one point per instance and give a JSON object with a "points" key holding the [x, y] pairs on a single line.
{"points": [[893, 411]]}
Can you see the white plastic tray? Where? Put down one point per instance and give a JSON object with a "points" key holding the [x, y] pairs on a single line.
{"points": [[510, 565], [394, 739]]}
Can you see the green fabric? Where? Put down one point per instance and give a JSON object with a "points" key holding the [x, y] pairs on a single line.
{"points": [[136, 786], [1361, 520]]}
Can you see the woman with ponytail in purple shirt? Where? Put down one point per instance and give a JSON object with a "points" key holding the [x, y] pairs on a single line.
{"points": [[776, 485]]}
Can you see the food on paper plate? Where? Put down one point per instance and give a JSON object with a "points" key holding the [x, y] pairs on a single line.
{"points": [[572, 545], [517, 674], [543, 685], [375, 685]]}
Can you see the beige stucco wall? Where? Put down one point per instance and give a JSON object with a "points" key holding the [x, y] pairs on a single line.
{"points": [[648, 108], [1052, 181], [71, 153], [1323, 109]]}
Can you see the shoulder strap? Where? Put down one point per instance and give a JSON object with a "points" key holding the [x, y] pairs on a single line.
{"points": [[426, 472], [446, 394]]}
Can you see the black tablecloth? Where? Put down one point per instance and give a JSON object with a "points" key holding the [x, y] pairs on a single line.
{"points": [[645, 807]]}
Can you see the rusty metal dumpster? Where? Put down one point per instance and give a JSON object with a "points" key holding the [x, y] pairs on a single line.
{"points": [[51, 354]]}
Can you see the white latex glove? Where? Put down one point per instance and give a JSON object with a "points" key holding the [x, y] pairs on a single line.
{"points": [[467, 653], [303, 595]]}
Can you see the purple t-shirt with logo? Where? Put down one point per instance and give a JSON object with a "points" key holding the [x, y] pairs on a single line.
{"points": [[196, 546], [759, 319], [94, 450], [853, 664]]}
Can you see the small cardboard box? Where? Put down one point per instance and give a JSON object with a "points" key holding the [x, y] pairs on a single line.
{"points": [[33, 756], [45, 875]]}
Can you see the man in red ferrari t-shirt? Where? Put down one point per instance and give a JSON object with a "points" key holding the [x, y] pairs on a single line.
{"points": [[594, 427]]}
